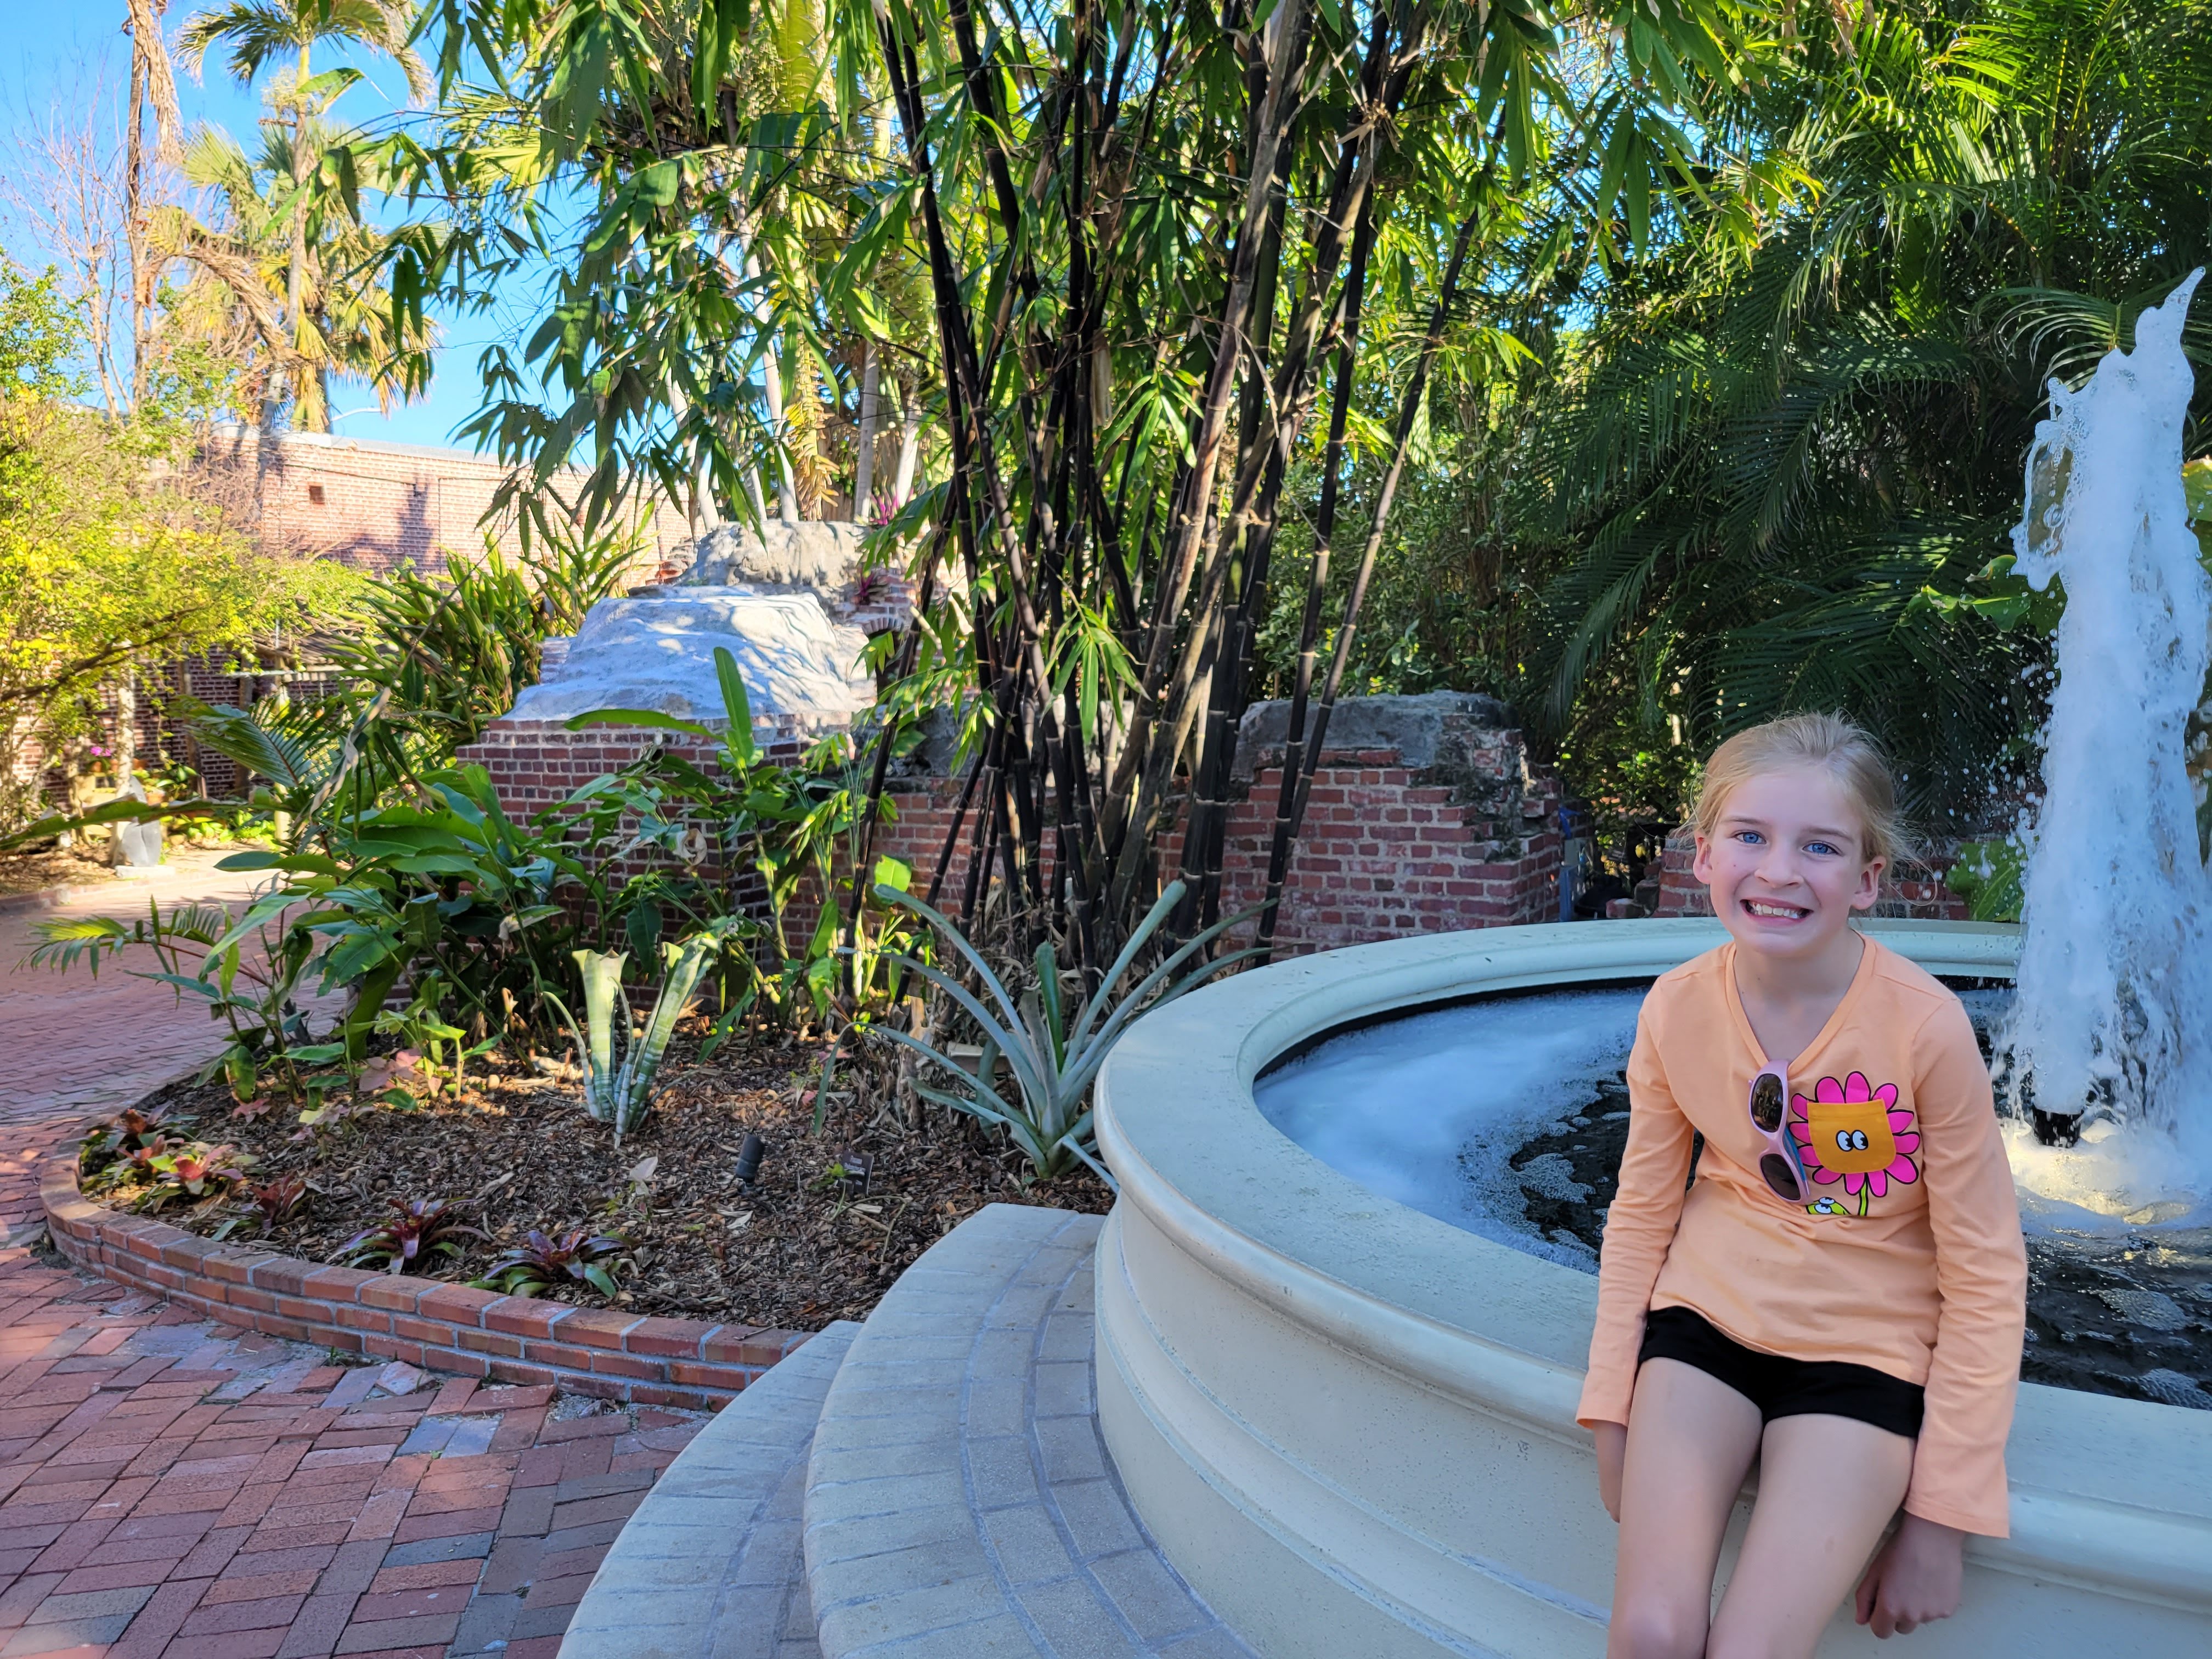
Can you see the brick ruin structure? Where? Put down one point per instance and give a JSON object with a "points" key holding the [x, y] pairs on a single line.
{"points": [[1424, 815]]}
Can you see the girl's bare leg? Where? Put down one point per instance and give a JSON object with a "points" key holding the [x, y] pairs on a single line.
{"points": [[1690, 1440], [1827, 1486]]}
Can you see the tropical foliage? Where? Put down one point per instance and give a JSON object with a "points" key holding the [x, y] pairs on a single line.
{"points": [[286, 299], [1786, 479], [1124, 247], [425, 664], [1739, 477], [417, 1230], [541, 1262], [1053, 1051], [104, 563], [619, 1058]]}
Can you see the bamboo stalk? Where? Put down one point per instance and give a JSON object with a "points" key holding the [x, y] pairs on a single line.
{"points": [[863, 459], [1278, 848], [1408, 411], [1192, 513]]}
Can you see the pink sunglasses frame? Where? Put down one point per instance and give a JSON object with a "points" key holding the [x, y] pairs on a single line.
{"points": [[1779, 1143]]}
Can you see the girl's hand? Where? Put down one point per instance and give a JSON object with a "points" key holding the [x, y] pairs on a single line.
{"points": [[1915, 1576], [1612, 1454]]}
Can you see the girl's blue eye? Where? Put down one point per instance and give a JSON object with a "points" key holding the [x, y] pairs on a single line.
{"points": [[1822, 847], [1749, 837]]}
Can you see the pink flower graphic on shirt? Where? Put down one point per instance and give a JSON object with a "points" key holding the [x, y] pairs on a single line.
{"points": [[1858, 1134]]}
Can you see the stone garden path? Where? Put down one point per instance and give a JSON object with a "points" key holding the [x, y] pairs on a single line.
{"points": [[172, 1488]]}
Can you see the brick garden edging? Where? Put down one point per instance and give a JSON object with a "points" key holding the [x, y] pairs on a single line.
{"points": [[432, 1323]]}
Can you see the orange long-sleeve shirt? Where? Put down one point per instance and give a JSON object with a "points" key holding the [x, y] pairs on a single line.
{"points": [[1910, 1258]]}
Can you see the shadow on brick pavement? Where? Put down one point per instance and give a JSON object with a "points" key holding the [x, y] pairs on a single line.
{"points": [[172, 1488]]}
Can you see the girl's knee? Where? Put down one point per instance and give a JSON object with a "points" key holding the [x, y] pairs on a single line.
{"points": [[1657, 1630]]}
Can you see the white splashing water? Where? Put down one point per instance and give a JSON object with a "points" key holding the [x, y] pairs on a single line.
{"points": [[2114, 1016]]}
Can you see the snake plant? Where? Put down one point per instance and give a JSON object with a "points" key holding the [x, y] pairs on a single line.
{"points": [[620, 1091], [1053, 1052]]}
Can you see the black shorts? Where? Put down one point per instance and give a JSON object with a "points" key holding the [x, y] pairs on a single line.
{"points": [[1781, 1387]]}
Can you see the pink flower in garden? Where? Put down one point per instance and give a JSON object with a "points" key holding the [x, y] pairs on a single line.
{"points": [[1854, 1133]]}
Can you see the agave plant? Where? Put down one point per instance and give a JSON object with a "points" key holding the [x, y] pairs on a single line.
{"points": [[621, 1093], [418, 1227], [1053, 1052], [538, 1263]]}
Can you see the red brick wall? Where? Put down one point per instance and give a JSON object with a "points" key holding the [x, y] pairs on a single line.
{"points": [[382, 504], [1388, 849], [536, 764], [1385, 851]]}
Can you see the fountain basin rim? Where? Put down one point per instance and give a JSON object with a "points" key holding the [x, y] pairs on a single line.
{"points": [[1179, 1127]]}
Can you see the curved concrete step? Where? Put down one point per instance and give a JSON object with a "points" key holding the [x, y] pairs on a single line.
{"points": [[959, 1501], [709, 1567]]}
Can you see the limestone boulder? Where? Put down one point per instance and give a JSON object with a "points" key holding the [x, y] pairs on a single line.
{"points": [[816, 556], [801, 668]]}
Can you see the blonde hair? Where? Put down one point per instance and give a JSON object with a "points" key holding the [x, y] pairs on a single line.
{"points": [[1828, 741]]}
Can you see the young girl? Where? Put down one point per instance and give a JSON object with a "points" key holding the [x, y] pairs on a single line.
{"points": [[1846, 1307]]}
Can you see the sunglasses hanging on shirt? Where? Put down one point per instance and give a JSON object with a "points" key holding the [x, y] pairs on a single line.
{"points": [[1778, 1164]]}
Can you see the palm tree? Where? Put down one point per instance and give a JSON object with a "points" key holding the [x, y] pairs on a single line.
{"points": [[1786, 481], [151, 82], [291, 314], [258, 34]]}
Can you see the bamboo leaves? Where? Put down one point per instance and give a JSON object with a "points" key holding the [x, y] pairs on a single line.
{"points": [[1087, 655]]}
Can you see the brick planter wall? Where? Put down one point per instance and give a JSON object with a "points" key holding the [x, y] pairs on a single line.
{"points": [[432, 1323], [1424, 816], [535, 764]]}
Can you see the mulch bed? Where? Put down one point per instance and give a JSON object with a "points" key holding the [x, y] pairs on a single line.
{"points": [[794, 1250], [53, 866]]}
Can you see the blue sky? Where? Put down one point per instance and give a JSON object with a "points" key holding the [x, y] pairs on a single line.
{"points": [[56, 51]]}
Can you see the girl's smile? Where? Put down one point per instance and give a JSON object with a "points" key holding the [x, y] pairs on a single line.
{"points": [[1776, 909]]}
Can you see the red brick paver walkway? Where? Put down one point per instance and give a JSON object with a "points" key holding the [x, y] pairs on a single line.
{"points": [[172, 1488], [74, 1044]]}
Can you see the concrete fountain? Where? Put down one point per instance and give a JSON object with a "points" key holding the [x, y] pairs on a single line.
{"points": [[1349, 1421]]}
